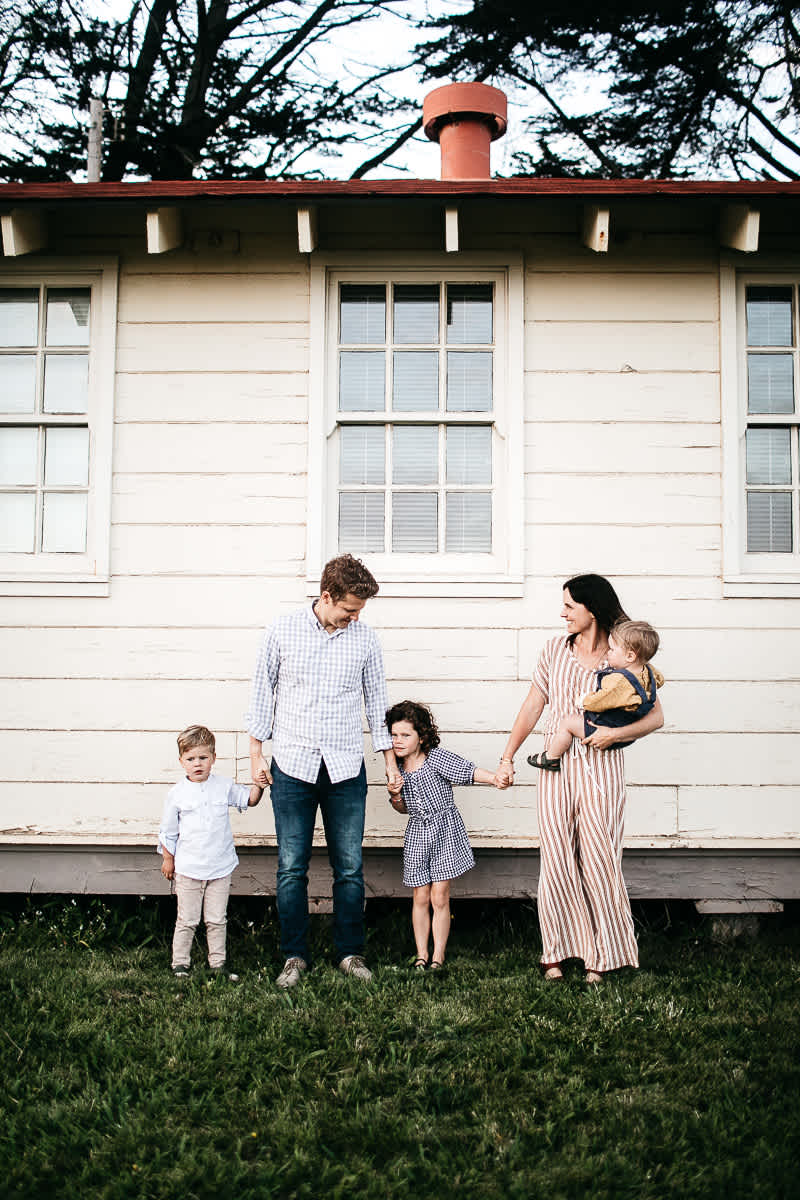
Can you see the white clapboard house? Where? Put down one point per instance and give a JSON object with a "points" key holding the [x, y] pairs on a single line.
{"points": [[481, 387]]}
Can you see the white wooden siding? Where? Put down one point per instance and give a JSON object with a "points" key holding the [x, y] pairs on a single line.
{"points": [[622, 476]]}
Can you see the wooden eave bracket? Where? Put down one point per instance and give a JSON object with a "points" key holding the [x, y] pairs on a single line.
{"points": [[596, 222], [307, 229], [164, 230], [24, 230], [451, 228], [739, 227]]}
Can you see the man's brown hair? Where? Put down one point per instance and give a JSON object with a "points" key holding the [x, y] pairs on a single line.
{"points": [[345, 576], [637, 636], [196, 735]]}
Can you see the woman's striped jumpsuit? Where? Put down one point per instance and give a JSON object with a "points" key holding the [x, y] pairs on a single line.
{"points": [[584, 911]]}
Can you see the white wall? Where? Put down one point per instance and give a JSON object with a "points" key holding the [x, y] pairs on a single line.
{"points": [[622, 458]]}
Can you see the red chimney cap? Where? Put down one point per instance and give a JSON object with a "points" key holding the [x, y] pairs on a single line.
{"points": [[465, 101]]}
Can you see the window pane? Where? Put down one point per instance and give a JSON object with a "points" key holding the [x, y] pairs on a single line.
{"points": [[469, 313], [64, 523], [415, 518], [18, 456], [469, 381], [416, 314], [66, 383], [361, 454], [19, 316], [415, 387], [415, 454], [768, 456], [362, 314], [769, 316], [769, 523], [469, 523], [68, 316], [17, 520], [362, 381], [469, 454], [66, 458], [17, 383], [361, 522], [770, 383]]}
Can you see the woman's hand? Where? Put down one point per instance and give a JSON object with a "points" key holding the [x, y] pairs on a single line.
{"points": [[603, 737], [504, 775], [398, 804]]}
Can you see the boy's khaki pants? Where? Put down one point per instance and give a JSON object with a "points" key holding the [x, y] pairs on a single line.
{"points": [[200, 897]]}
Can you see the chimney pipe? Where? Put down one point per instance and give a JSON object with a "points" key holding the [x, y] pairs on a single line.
{"points": [[465, 118]]}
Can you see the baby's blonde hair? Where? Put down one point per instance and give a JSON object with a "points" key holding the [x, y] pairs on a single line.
{"points": [[196, 735], [637, 636]]}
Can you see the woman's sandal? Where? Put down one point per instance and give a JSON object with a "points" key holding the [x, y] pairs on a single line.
{"points": [[435, 965], [420, 964], [544, 763]]}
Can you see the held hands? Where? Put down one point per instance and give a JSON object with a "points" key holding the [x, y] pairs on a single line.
{"points": [[167, 865], [394, 784], [504, 775], [259, 770]]}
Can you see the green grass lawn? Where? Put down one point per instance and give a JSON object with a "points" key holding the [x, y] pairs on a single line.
{"points": [[681, 1079]]}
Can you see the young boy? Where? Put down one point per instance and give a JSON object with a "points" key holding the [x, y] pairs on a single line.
{"points": [[196, 844], [626, 691]]}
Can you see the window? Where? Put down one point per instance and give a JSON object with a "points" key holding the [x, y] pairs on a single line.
{"points": [[419, 473], [56, 388]]}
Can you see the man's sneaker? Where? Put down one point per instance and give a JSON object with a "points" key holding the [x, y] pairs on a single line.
{"points": [[292, 970], [224, 972], [354, 965], [180, 972]]}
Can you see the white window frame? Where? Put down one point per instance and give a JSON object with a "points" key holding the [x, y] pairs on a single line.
{"points": [[85, 574], [497, 574], [756, 575]]}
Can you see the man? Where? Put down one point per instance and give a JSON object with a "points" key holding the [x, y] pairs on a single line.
{"points": [[314, 668]]}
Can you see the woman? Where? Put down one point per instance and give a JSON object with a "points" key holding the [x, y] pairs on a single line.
{"points": [[584, 911]]}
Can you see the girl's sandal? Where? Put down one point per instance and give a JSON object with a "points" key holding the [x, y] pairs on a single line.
{"points": [[553, 973], [420, 964], [544, 763], [593, 977]]}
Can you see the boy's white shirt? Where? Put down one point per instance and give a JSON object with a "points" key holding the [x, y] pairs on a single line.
{"points": [[196, 828]]}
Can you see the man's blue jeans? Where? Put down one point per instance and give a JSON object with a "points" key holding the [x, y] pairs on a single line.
{"points": [[294, 803]]}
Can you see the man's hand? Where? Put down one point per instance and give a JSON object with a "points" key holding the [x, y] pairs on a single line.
{"points": [[167, 864], [259, 770]]}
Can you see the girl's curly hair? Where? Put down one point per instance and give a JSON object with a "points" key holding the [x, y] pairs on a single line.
{"points": [[418, 715]]}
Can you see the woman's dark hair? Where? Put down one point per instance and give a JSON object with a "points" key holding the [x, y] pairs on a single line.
{"points": [[418, 715], [597, 594]]}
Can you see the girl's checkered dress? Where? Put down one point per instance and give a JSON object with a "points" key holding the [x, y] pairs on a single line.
{"points": [[436, 846]]}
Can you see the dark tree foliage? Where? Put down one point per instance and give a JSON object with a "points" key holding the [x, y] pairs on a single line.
{"points": [[195, 88], [675, 88]]}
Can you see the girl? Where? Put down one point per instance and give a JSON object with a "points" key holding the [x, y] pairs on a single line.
{"points": [[436, 848]]}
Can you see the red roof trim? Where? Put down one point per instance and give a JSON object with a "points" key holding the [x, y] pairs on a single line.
{"points": [[354, 189]]}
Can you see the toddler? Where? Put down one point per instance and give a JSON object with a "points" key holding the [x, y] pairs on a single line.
{"points": [[626, 691], [436, 848], [196, 844]]}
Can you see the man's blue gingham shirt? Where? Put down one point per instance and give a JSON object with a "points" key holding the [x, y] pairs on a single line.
{"points": [[307, 693]]}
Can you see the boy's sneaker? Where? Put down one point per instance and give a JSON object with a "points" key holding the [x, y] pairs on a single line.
{"points": [[292, 970], [180, 972], [354, 965], [224, 972]]}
